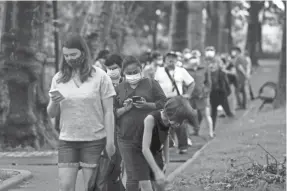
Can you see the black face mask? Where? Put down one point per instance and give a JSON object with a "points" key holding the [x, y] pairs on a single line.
{"points": [[76, 63]]}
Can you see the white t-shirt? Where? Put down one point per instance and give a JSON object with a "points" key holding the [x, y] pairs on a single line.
{"points": [[181, 77], [82, 116]]}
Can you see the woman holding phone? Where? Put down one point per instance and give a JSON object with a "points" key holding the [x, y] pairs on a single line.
{"points": [[136, 98], [156, 140], [83, 96]]}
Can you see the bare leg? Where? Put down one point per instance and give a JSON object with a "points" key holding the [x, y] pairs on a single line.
{"points": [[67, 178]]}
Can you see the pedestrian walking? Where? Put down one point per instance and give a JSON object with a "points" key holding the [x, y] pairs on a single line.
{"points": [[108, 176], [101, 58], [200, 95], [230, 70], [173, 79], [156, 61], [113, 65], [83, 97], [220, 90], [136, 97], [156, 140]]}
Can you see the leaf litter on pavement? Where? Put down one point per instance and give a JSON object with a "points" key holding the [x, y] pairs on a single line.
{"points": [[245, 172]]}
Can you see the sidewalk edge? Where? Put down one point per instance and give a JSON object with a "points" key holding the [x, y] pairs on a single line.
{"points": [[182, 167], [24, 175]]}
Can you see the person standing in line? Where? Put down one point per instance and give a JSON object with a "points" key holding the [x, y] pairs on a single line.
{"points": [[172, 79], [108, 178], [200, 95], [156, 61], [114, 68], [101, 58], [220, 90], [230, 70], [136, 98], [240, 64], [83, 96], [155, 143]]}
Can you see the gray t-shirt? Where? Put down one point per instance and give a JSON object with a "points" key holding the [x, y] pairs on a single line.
{"points": [[82, 116]]}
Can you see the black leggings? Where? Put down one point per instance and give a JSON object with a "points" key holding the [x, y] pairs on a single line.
{"points": [[218, 98]]}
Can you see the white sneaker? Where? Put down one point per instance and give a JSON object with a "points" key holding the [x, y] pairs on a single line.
{"points": [[189, 142]]}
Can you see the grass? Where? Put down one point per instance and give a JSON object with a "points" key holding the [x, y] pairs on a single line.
{"points": [[236, 143], [6, 174]]}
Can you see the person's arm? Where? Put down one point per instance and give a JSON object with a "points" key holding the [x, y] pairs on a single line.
{"points": [[189, 82], [53, 109], [147, 137], [166, 152], [109, 121], [107, 92], [159, 95], [248, 67]]}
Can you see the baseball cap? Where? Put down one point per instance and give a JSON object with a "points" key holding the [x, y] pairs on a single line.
{"points": [[171, 53]]}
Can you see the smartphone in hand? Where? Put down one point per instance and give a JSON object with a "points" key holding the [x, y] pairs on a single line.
{"points": [[136, 99]]}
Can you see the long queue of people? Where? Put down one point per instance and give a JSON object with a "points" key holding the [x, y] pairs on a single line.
{"points": [[133, 112]]}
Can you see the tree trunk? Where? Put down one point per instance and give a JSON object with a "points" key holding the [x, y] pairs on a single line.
{"points": [[216, 32], [195, 25], [229, 26], [212, 26], [154, 34], [280, 100], [254, 28], [178, 25], [97, 25], [24, 121]]}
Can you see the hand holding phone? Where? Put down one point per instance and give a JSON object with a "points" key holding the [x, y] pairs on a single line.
{"points": [[56, 96], [136, 99]]}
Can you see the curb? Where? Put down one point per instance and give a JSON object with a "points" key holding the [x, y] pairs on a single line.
{"points": [[24, 175], [182, 167]]}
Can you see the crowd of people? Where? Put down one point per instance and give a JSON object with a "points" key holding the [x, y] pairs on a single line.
{"points": [[133, 110]]}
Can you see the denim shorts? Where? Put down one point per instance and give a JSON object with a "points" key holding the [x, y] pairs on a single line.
{"points": [[80, 153]]}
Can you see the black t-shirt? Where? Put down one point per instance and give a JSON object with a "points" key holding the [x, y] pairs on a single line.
{"points": [[160, 133]]}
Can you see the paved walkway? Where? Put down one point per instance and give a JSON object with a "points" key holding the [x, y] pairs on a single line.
{"points": [[45, 177]]}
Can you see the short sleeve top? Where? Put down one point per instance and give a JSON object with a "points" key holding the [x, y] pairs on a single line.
{"points": [[181, 77], [81, 112]]}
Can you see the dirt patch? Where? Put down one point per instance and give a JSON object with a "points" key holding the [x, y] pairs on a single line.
{"points": [[6, 174], [238, 144]]}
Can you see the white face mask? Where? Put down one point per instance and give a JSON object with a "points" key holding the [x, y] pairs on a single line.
{"points": [[114, 74], [209, 53], [159, 62], [133, 79]]}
